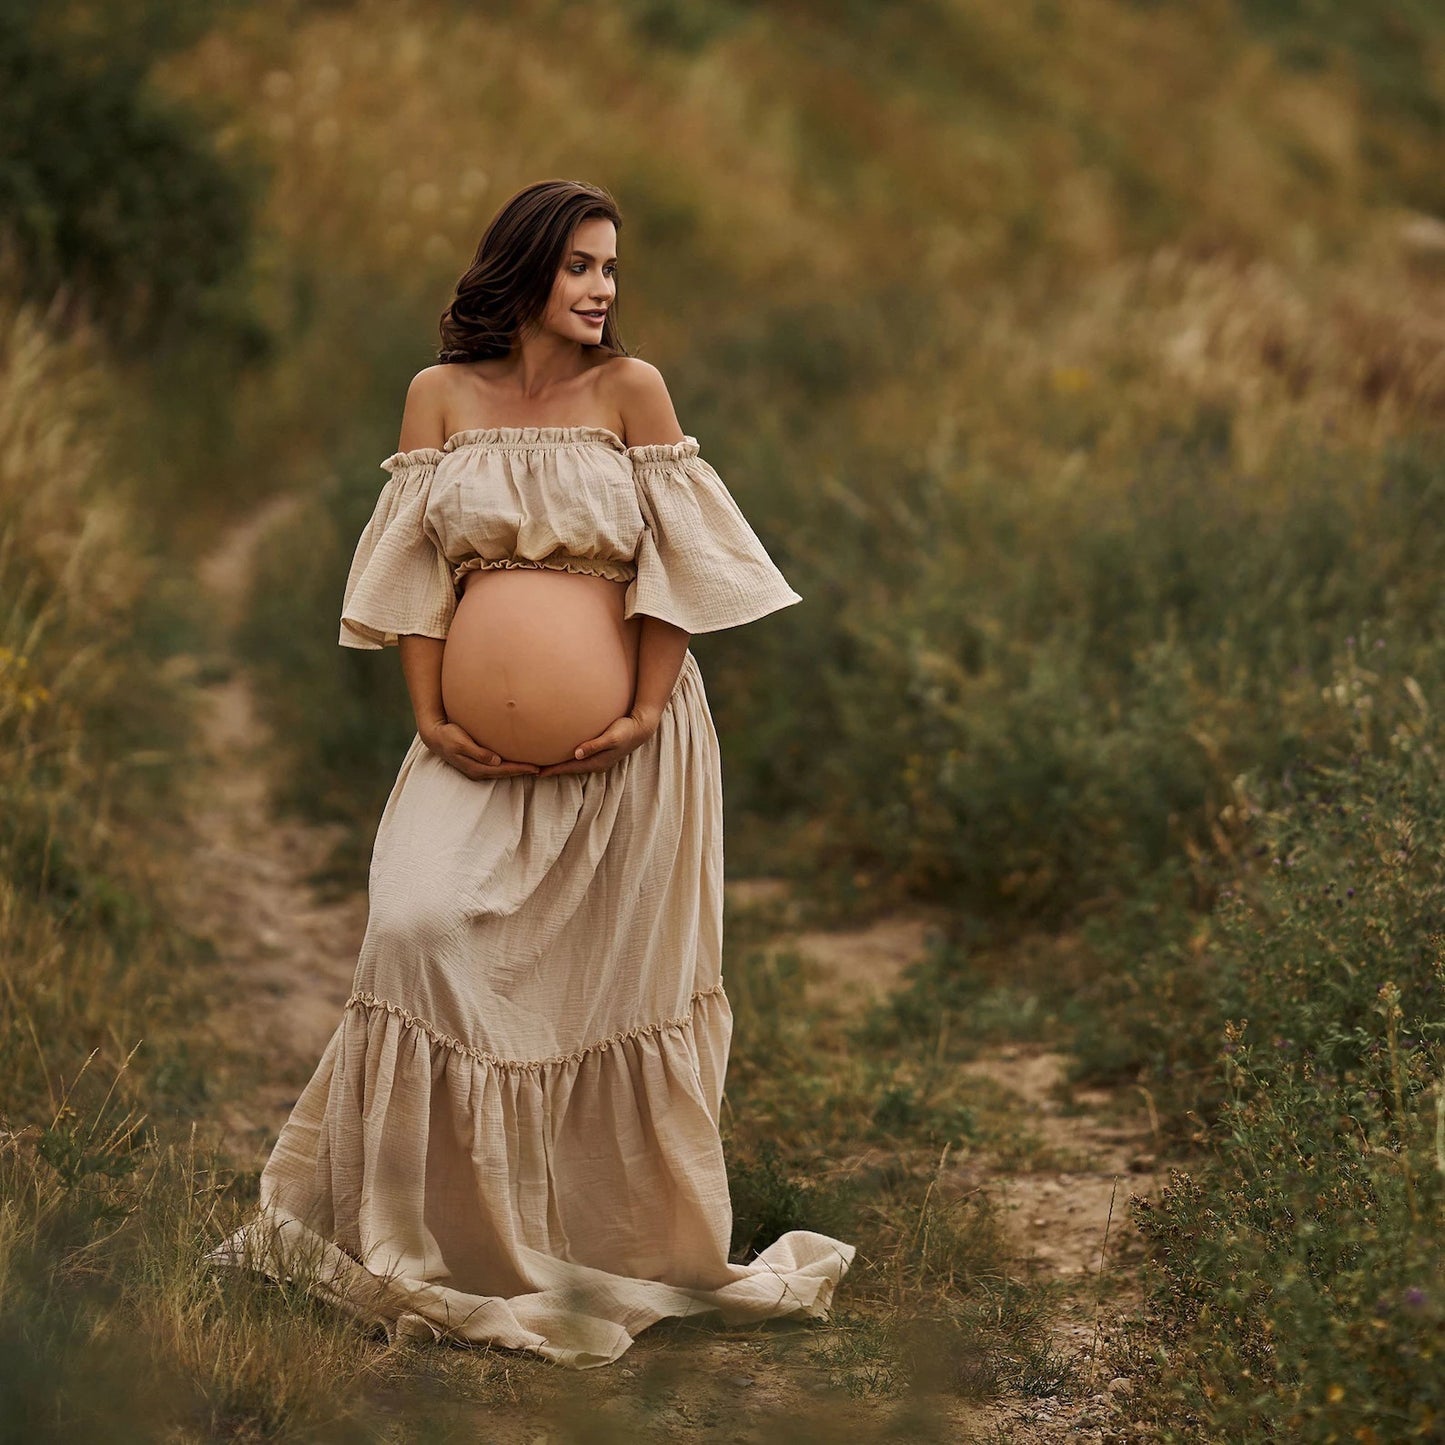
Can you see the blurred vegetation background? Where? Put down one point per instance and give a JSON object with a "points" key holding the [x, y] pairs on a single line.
{"points": [[1080, 364]]}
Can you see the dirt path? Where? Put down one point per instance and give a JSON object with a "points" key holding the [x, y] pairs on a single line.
{"points": [[288, 955], [1070, 1216]]}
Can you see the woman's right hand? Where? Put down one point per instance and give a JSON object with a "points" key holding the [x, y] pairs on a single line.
{"points": [[453, 744]]}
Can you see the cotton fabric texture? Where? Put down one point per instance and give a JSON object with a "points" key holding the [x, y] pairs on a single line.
{"points": [[512, 1135]]}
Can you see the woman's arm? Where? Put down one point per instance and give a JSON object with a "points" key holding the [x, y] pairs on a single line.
{"points": [[423, 424], [659, 661], [421, 665], [648, 416]]}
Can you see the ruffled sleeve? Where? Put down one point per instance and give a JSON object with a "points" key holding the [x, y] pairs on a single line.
{"points": [[700, 565], [399, 582]]}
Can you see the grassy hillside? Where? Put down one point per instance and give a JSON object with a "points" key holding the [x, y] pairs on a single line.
{"points": [[1034, 340]]}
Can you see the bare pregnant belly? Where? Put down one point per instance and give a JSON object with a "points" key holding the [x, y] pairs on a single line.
{"points": [[537, 661]]}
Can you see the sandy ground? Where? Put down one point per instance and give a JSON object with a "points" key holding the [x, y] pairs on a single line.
{"points": [[289, 953]]}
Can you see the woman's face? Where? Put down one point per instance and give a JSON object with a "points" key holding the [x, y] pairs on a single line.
{"points": [[586, 284]]}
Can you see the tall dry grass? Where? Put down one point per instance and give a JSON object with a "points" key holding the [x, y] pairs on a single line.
{"points": [[110, 1326]]}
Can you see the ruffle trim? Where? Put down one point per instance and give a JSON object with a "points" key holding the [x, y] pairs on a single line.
{"points": [[614, 571], [365, 1000], [404, 461], [664, 451], [519, 437], [533, 436]]}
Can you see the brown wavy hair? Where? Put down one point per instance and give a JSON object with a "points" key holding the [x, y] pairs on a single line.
{"points": [[511, 277]]}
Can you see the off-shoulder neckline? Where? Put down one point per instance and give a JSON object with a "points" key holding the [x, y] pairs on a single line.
{"points": [[520, 437], [530, 436]]}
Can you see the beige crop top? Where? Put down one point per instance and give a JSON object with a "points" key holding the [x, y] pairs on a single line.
{"points": [[575, 499]]}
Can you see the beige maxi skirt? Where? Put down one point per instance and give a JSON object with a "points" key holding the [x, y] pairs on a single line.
{"points": [[512, 1136]]}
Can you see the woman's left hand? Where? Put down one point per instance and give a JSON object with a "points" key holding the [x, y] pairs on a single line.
{"points": [[609, 747]]}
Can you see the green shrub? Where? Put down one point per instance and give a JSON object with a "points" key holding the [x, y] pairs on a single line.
{"points": [[1298, 1275], [112, 193]]}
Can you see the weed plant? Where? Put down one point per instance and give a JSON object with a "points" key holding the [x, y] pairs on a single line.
{"points": [[1297, 1275]]}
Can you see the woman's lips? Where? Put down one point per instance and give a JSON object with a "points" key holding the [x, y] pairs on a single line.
{"points": [[598, 318]]}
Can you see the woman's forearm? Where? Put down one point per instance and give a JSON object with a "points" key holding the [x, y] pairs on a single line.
{"points": [[421, 665], [659, 661]]}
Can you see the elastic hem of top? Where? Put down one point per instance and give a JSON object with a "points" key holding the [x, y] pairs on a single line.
{"points": [[362, 999], [514, 438], [613, 571], [533, 436]]}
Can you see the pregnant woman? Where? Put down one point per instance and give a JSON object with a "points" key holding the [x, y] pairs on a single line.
{"points": [[512, 1135]]}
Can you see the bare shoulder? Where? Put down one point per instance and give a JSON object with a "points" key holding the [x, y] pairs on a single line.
{"points": [[640, 395], [423, 419]]}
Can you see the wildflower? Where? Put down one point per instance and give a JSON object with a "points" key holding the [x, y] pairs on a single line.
{"points": [[1414, 1297], [1071, 379]]}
